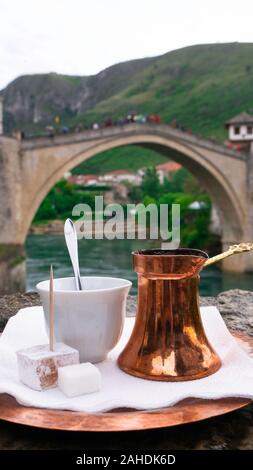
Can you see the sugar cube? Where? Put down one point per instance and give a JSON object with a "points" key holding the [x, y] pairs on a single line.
{"points": [[38, 366], [79, 379]]}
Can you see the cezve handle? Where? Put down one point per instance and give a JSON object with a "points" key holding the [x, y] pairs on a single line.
{"points": [[232, 250]]}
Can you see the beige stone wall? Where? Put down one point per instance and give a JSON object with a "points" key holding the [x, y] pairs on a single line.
{"points": [[11, 191], [12, 278]]}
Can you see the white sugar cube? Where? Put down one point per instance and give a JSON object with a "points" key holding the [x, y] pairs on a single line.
{"points": [[38, 366], [79, 379]]}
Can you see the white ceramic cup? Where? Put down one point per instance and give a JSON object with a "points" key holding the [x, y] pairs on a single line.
{"points": [[90, 320]]}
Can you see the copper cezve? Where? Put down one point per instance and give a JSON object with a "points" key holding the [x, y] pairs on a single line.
{"points": [[168, 342]]}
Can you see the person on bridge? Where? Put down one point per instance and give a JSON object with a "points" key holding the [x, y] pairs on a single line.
{"points": [[50, 131], [154, 118], [108, 122]]}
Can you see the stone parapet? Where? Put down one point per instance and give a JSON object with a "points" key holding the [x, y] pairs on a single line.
{"points": [[231, 431]]}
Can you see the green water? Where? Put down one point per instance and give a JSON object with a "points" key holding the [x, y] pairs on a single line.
{"points": [[110, 258]]}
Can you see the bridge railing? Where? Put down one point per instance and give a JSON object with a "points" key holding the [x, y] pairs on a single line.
{"points": [[164, 130]]}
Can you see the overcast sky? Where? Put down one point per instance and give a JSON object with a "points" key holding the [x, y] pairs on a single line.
{"points": [[85, 36]]}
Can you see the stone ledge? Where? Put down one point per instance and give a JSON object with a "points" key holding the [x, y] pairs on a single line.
{"points": [[236, 307], [231, 431], [11, 303]]}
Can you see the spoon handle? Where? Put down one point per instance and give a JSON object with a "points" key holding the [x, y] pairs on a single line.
{"points": [[71, 242], [232, 250]]}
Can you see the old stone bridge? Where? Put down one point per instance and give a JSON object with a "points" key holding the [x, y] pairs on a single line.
{"points": [[30, 168]]}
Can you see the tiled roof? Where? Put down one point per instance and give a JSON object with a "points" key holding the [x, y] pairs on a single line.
{"points": [[242, 118], [119, 172], [81, 178], [169, 166]]}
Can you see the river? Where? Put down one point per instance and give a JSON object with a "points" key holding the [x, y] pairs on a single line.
{"points": [[110, 258]]}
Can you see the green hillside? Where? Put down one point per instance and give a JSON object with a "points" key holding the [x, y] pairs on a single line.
{"points": [[199, 86], [129, 158]]}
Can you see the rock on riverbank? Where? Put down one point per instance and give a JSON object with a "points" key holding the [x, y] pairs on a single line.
{"points": [[236, 307]]}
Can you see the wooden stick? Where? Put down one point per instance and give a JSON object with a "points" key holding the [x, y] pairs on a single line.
{"points": [[51, 309]]}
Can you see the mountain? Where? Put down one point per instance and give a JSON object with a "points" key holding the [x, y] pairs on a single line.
{"points": [[200, 86], [32, 101]]}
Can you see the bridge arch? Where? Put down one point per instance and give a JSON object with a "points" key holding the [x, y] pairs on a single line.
{"points": [[196, 160]]}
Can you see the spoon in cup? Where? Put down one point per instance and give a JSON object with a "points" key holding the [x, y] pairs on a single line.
{"points": [[71, 242]]}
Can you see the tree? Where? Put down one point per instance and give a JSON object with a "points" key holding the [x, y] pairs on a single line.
{"points": [[150, 185]]}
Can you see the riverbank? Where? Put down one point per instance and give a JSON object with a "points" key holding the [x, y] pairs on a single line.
{"points": [[56, 227], [12, 268]]}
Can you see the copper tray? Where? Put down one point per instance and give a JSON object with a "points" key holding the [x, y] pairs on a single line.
{"points": [[186, 411]]}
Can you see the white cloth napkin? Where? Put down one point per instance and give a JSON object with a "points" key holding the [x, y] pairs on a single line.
{"points": [[26, 329]]}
